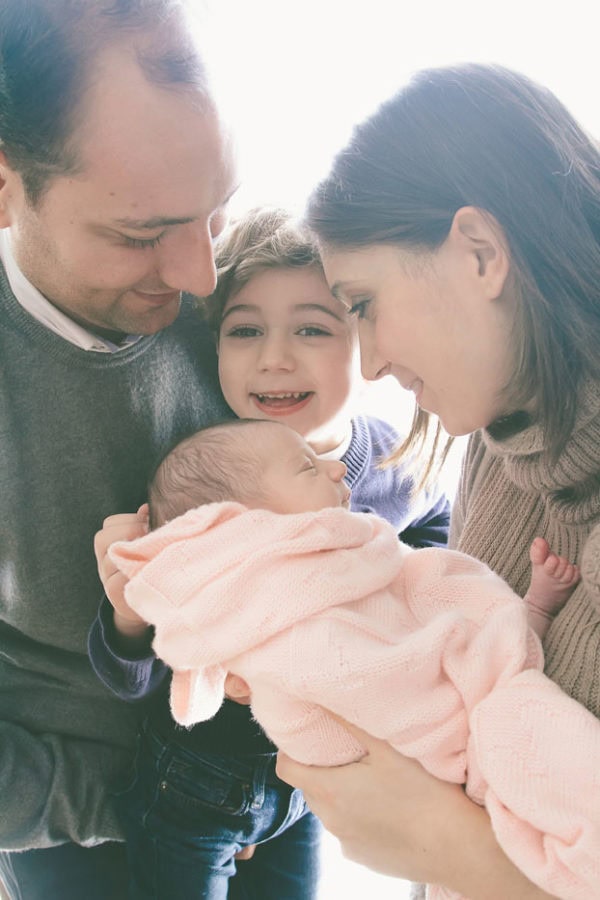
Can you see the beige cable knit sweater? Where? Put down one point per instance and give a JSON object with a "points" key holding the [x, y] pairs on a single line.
{"points": [[508, 495]]}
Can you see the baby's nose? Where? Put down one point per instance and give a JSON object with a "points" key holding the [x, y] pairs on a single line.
{"points": [[337, 470]]}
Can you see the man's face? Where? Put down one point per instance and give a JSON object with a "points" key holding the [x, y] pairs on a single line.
{"points": [[114, 245]]}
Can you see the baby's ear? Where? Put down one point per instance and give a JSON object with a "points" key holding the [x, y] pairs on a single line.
{"points": [[590, 565]]}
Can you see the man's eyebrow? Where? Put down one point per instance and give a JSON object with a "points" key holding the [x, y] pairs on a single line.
{"points": [[163, 221], [155, 222]]}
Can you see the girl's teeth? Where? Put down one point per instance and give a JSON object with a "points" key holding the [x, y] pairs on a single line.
{"points": [[295, 395]]}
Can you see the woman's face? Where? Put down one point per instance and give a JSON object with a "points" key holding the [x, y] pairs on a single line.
{"points": [[438, 322]]}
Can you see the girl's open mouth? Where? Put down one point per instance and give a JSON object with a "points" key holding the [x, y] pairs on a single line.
{"points": [[282, 402]]}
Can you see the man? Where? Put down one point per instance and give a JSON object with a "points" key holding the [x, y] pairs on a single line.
{"points": [[115, 173]]}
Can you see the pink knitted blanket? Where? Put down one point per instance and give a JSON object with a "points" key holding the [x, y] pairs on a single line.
{"points": [[427, 649]]}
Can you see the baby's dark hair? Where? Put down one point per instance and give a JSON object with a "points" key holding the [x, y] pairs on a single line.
{"points": [[218, 463]]}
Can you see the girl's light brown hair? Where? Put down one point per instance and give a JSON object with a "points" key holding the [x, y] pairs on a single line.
{"points": [[264, 238]]}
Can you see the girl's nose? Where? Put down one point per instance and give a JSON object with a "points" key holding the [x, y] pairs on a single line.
{"points": [[275, 354]]}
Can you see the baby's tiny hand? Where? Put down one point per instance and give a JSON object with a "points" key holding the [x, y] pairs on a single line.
{"points": [[121, 527], [236, 689]]}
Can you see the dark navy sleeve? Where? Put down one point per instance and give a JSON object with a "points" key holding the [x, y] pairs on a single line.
{"points": [[431, 529], [129, 678], [421, 519]]}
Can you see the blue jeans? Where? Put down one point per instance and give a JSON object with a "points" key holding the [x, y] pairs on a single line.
{"points": [[66, 872], [186, 815]]}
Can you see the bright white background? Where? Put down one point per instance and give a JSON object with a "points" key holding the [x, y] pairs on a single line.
{"points": [[295, 76]]}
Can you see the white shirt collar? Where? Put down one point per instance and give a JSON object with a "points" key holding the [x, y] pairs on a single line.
{"points": [[46, 313]]}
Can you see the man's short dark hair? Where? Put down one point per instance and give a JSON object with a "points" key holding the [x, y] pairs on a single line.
{"points": [[47, 48]]}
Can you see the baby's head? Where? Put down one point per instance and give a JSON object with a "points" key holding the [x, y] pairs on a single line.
{"points": [[261, 464], [287, 348]]}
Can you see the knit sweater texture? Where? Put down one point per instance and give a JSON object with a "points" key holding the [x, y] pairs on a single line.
{"points": [[421, 520], [508, 495], [81, 433]]}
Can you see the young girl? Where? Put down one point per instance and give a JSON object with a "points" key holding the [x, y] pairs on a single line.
{"points": [[287, 352], [462, 226]]}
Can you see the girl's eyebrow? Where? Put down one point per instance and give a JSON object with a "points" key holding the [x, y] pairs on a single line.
{"points": [[239, 307], [319, 308], [300, 307]]}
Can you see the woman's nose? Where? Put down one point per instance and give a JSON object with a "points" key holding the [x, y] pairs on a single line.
{"points": [[372, 365]]}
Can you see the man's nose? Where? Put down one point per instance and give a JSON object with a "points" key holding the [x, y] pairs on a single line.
{"points": [[187, 261]]}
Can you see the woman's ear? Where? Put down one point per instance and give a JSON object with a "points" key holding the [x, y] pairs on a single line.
{"points": [[478, 234]]}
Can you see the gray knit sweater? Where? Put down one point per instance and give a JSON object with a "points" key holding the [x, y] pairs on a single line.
{"points": [[80, 433], [508, 495]]}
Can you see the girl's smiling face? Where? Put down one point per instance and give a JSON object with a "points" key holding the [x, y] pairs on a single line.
{"points": [[288, 352], [438, 322]]}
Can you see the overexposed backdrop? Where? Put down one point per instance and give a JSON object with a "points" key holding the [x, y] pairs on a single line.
{"points": [[298, 75]]}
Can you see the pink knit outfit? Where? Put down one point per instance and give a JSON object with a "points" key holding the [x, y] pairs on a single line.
{"points": [[427, 649]]}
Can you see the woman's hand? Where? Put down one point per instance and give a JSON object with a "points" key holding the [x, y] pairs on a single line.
{"points": [[378, 807], [393, 816], [121, 527]]}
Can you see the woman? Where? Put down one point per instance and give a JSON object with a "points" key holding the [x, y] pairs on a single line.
{"points": [[461, 225]]}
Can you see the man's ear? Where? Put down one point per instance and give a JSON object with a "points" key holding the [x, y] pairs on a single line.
{"points": [[8, 178], [477, 233]]}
